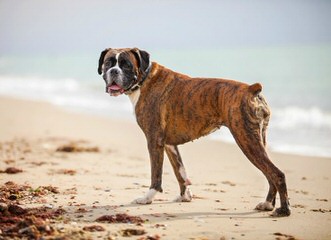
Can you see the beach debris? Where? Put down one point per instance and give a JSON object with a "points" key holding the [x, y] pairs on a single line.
{"points": [[31, 223], [18, 222], [74, 147], [229, 183], [120, 218], [198, 197], [321, 210], [132, 232], [213, 190], [302, 192], [298, 206], [166, 215], [322, 199], [70, 172], [94, 228], [150, 237], [210, 184], [51, 189], [69, 191], [11, 191], [81, 210], [156, 215], [12, 170], [40, 163], [282, 236], [169, 215], [16, 210], [3, 207], [222, 209], [160, 225]]}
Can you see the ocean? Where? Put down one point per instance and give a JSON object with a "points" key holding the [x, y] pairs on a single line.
{"points": [[296, 83]]}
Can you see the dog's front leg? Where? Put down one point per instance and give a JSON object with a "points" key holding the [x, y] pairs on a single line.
{"points": [[156, 152], [180, 172]]}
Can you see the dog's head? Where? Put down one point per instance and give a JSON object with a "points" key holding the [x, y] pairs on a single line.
{"points": [[123, 69]]}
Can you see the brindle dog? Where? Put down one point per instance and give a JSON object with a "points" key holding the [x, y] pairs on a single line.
{"points": [[172, 109]]}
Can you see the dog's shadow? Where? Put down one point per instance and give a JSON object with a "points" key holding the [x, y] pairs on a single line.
{"points": [[155, 215], [194, 214]]}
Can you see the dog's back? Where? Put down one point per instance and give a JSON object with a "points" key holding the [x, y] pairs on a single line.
{"points": [[201, 105]]}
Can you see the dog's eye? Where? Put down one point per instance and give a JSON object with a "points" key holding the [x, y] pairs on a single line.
{"points": [[125, 64], [110, 62]]}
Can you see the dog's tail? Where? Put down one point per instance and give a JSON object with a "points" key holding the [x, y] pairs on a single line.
{"points": [[257, 109], [255, 88]]}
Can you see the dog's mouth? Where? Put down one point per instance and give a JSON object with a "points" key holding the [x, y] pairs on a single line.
{"points": [[114, 90]]}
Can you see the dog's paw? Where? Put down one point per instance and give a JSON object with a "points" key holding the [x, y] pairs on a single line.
{"points": [[187, 197], [265, 206], [142, 200], [147, 199], [281, 212]]}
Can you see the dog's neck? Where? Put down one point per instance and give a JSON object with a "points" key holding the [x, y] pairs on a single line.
{"points": [[136, 86], [134, 97]]}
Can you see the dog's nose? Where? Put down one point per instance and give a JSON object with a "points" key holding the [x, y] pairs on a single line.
{"points": [[114, 71]]}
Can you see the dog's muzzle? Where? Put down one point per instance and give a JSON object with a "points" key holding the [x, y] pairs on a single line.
{"points": [[114, 90], [112, 77]]}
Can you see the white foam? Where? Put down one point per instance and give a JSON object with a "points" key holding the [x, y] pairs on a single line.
{"points": [[303, 150], [294, 130], [37, 87], [294, 117], [68, 93]]}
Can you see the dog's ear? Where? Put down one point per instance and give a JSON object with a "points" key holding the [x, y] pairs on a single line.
{"points": [[142, 58], [101, 58], [255, 88]]}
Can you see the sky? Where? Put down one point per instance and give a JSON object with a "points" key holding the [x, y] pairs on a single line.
{"points": [[39, 27]]}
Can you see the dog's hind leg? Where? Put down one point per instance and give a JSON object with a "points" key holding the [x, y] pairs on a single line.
{"points": [[180, 172], [269, 203], [248, 126], [252, 146]]}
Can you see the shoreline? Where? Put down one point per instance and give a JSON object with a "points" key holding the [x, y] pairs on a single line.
{"points": [[223, 135], [226, 188]]}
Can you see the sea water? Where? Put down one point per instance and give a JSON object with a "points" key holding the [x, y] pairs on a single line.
{"points": [[296, 83]]}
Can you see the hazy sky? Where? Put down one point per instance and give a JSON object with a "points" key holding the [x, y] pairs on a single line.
{"points": [[62, 26]]}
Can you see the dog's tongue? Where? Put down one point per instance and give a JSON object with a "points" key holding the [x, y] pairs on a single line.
{"points": [[114, 87]]}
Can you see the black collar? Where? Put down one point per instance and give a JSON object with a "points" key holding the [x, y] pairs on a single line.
{"points": [[137, 85]]}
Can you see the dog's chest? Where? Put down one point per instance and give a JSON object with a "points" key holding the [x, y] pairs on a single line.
{"points": [[134, 97]]}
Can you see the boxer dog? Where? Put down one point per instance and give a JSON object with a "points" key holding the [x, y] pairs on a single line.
{"points": [[173, 108]]}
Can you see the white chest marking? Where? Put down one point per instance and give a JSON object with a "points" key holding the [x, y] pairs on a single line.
{"points": [[134, 97]]}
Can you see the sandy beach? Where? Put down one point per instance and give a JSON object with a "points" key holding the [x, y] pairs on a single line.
{"points": [[92, 167]]}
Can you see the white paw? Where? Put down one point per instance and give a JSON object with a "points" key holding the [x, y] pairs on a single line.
{"points": [[143, 200], [265, 206], [187, 197], [147, 199]]}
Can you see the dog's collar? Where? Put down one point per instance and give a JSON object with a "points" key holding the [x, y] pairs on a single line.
{"points": [[137, 85]]}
